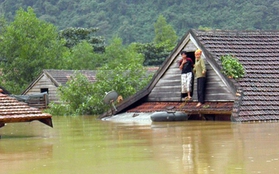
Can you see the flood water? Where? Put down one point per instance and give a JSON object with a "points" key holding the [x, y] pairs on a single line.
{"points": [[86, 145]]}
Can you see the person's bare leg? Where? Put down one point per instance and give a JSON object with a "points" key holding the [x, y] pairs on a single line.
{"points": [[189, 95]]}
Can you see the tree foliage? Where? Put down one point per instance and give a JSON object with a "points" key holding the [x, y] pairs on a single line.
{"points": [[165, 35], [133, 20], [164, 42], [82, 57], [154, 54], [3, 25], [28, 45], [75, 36], [232, 67], [122, 72], [76, 97]]}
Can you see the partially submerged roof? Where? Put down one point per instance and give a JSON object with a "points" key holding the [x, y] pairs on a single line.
{"points": [[258, 51], [254, 97], [60, 77], [11, 110]]}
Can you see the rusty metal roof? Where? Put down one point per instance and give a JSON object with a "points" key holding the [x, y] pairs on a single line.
{"points": [[188, 107], [11, 110]]}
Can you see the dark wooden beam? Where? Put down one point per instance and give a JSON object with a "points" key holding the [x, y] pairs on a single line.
{"points": [[215, 112]]}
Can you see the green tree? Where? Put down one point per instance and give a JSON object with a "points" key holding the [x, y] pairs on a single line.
{"points": [[133, 20], [83, 57], [164, 42], [76, 97], [28, 45], [204, 28], [3, 25], [123, 72], [74, 36], [154, 54], [165, 35]]}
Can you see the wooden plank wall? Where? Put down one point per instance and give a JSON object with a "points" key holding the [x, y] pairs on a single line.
{"points": [[168, 87], [45, 82]]}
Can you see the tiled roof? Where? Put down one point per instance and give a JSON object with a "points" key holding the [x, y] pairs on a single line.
{"points": [[258, 51], [62, 76], [11, 110], [188, 107]]}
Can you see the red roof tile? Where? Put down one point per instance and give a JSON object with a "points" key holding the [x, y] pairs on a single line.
{"points": [[11, 110], [188, 107]]}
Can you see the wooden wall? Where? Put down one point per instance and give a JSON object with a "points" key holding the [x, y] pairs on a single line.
{"points": [[168, 87], [44, 82]]}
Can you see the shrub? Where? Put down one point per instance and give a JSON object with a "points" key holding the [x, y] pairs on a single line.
{"points": [[232, 67]]}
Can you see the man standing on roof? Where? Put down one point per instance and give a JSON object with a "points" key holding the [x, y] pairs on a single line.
{"points": [[186, 67], [200, 74]]}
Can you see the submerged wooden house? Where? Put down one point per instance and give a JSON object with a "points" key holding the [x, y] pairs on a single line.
{"points": [[252, 98], [50, 79]]}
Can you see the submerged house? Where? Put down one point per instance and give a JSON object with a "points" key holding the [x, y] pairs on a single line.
{"points": [[254, 97], [50, 79]]}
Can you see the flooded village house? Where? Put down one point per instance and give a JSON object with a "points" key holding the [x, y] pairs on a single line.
{"points": [[255, 97]]}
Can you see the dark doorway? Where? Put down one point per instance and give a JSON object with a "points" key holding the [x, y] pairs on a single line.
{"points": [[44, 90], [192, 56]]}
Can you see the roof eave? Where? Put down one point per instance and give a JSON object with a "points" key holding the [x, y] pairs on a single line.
{"points": [[32, 84]]}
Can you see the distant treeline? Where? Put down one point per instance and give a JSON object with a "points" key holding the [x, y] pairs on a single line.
{"points": [[132, 20]]}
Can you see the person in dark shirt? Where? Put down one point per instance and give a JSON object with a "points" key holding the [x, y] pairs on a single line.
{"points": [[186, 67]]}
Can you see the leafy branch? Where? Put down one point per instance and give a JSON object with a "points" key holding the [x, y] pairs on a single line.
{"points": [[232, 67]]}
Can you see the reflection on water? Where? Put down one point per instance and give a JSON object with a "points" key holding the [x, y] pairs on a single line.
{"points": [[88, 145]]}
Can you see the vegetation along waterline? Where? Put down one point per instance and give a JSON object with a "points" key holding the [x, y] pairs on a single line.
{"points": [[119, 67]]}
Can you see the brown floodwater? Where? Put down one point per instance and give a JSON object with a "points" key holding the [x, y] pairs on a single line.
{"points": [[87, 145]]}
